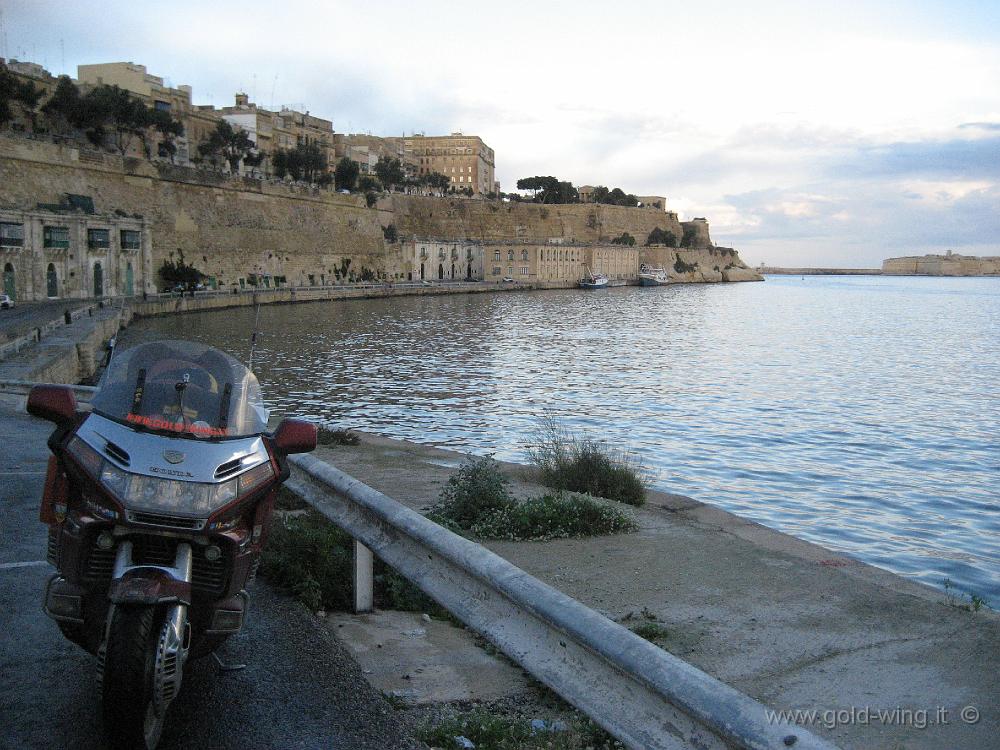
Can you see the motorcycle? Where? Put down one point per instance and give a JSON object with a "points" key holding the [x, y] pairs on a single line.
{"points": [[158, 503]]}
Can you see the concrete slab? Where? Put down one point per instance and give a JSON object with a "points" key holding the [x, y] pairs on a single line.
{"points": [[421, 660]]}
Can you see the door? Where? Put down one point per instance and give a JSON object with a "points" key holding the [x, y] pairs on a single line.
{"points": [[129, 281], [8, 281], [98, 280], [440, 270], [52, 281]]}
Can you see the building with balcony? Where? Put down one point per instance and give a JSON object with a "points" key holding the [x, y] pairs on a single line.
{"points": [[559, 263], [271, 131], [61, 251]]}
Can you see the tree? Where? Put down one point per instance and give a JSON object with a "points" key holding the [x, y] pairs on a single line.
{"points": [[253, 161], [624, 239], [368, 184], [389, 171], [436, 180], [226, 142], [64, 110], [661, 237], [549, 189], [390, 233], [345, 174], [304, 162], [13, 89], [169, 128], [690, 237], [174, 273], [116, 109]]}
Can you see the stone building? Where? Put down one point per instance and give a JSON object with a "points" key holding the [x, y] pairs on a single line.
{"points": [[465, 159], [439, 260], [285, 130], [69, 251], [559, 263]]}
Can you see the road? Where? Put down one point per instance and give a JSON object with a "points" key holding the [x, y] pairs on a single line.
{"points": [[301, 689], [24, 317]]}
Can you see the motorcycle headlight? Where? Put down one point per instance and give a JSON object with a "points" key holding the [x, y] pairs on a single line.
{"points": [[139, 492]]}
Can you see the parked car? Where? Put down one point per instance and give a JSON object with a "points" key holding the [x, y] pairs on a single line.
{"points": [[507, 280], [6, 301]]}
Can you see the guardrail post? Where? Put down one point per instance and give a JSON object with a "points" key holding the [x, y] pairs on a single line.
{"points": [[364, 578]]}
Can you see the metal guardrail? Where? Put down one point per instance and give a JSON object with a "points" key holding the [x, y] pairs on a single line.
{"points": [[644, 696]]}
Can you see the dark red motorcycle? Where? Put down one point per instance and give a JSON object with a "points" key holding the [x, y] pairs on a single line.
{"points": [[158, 503]]}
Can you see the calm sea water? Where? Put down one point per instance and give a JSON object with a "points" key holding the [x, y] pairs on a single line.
{"points": [[857, 412]]}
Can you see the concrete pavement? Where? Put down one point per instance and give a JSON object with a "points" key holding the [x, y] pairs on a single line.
{"points": [[873, 660]]}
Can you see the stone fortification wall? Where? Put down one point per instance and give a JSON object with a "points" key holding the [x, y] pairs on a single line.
{"points": [[226, 228], [232, 228], [943, 265], [492, 221]]}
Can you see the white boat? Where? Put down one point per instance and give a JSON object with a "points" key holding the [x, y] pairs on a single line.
{"points": [[652, 276], [593, 281]]}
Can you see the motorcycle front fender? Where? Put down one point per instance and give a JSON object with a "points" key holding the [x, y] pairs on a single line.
{"points": [[148, 586]]}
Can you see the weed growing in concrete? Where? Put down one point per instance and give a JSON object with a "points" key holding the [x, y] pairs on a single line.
{"points": [[326, 436], [489, 731], [567, 462], [976, 602], [476, 500], [651, 631]]}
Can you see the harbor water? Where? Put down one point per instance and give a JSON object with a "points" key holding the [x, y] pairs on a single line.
{"points": [[860, 413]]}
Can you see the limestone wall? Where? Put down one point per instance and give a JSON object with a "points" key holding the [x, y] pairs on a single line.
{"points": [[232, 228], [943, 265]]}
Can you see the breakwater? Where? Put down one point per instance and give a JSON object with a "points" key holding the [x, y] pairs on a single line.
{"points": [[778, 271]]}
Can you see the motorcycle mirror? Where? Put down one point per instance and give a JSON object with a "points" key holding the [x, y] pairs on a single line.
{"points": [[295, 436], [55, 403]]}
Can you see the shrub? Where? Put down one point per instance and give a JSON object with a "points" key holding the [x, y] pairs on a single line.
{"points": [[311, 558], [681, 267], [566, 462], [326, 436], [476, 500], [552, 516], [478, 488], [624, 239]]}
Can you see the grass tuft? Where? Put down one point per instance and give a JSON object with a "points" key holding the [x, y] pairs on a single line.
{"points": [[566, 462]]}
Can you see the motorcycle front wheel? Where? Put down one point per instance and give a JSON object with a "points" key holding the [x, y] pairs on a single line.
{"points": [[133, 717]]}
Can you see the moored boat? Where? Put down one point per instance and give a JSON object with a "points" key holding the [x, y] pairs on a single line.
{"points": [[652, 276], [593, 281]]}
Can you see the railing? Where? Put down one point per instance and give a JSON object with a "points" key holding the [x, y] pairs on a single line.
{"points": [[644, 696]]}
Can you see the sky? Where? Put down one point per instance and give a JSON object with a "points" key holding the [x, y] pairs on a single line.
{"points": [[807, 133]]}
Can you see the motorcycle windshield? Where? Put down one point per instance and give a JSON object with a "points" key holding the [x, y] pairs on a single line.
{"points": [[184, 388]]}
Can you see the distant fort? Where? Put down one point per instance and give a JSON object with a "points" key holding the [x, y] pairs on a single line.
{"points": [[949, 264]]}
